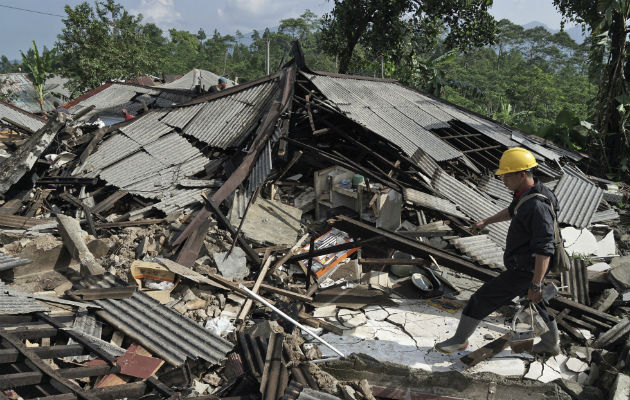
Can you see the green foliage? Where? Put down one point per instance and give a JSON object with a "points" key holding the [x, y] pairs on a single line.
{"points": [[105, 42], [7, 66], [610, 67], [382, 26], [38, 68]]}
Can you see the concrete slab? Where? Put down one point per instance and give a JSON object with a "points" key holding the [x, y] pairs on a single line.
{"points": [[606, 247], [509, 367], [234, 266], [408, 333], [599, 267], [535, 371], [271, 222], [621, 388], [619, 274], [329, 313], [579, 242], [576, 365], [375, 313], [351, 318]]}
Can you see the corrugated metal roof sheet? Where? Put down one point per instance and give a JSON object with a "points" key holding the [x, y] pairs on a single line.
{"points": [[481, 249], [495, 188], [471, 202], [179, 117], [14, 303], [109, 152], [112, 98], [179, 199], [132, 169], [389, 110], [578, 200], [223, 121], [9, 262], [161, 184], [161, 330], [432, 202], [261, 169], [19, 116], [88, 325], [195, 76], [146, 129]]}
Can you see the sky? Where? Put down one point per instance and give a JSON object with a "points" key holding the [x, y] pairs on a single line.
{"points": [[18, 28]]}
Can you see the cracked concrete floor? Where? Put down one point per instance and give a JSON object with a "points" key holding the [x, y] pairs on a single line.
{"points": [[405, 334]]}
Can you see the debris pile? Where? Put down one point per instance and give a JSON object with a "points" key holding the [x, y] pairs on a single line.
{"points": [[304, 234]]}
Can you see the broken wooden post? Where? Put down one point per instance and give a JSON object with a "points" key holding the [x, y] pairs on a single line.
{"points": [[71, 232], [489, 350]]}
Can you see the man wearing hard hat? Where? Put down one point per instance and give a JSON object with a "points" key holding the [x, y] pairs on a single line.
{"points": [[528, 248]]}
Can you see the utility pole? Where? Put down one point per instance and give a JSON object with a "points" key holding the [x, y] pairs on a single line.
{"points": [[268, 57], [382, 68], [225, 62]]}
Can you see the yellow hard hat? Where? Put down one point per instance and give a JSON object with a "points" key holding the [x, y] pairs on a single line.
{"points": [[514, 160]]}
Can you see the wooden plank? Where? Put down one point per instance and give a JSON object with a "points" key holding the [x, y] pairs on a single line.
{"points": [[261, 276], [19, 222], [109, 202], [43, 367], [489, 350], [320, 323], [11, 207], [123, 224], [285, 292]]}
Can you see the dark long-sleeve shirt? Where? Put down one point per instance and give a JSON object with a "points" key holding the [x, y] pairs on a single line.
{"points": [[531, 230]]}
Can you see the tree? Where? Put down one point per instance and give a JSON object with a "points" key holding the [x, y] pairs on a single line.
{"points": [[38, 70], [608, 21], [382, 24], [7, 66], [103, 43]]}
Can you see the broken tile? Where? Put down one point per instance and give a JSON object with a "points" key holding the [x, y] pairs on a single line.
{"points": [[513, 366], [375, 313], [576, 365], [535, 371], [606, 247], [579, 242], [351, 318]]}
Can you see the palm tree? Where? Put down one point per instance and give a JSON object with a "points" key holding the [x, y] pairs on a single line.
{"points": [[39, 69]]}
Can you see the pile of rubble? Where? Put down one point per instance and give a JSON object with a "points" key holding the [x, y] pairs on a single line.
{"points": [[304, 234]]}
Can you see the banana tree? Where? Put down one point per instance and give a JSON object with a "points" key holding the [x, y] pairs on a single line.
{"points": [[39, 69]]}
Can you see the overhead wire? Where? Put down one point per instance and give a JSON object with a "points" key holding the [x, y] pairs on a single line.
{"points": [[32, 11]]}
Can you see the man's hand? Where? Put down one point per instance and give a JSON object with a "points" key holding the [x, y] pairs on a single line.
{"points": [[478, 226], [535, 296]]}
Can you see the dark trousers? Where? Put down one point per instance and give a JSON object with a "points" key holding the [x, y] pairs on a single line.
{"points": [[499, 291]]}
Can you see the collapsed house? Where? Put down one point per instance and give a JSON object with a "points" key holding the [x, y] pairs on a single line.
{"points": [[177, 252]]}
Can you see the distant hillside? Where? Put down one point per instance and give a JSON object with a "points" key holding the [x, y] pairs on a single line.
{"points": [[574, 32]]}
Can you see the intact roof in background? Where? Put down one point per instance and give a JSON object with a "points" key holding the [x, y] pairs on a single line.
{"points": [[194, 77], [10, 112], [109, 99], [23, 95]]}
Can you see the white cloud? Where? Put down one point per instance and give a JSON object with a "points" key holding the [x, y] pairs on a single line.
{"points": [[220, 12], [160, 12]]}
